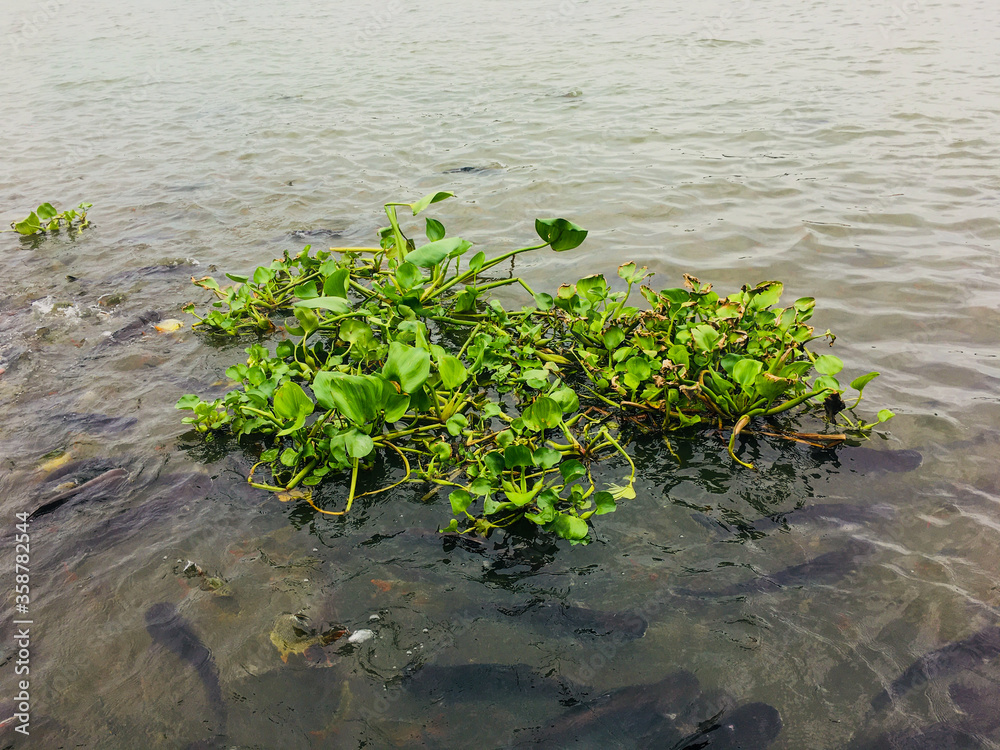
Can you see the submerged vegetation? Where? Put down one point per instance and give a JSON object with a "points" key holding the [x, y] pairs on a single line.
{"points": [[45, 218], [402, 350]]}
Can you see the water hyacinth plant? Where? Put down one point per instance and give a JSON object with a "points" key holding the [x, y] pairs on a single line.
{"points": [[401, 350], [45, 218]]}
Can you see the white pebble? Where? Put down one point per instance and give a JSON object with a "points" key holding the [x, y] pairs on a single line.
{"points": [[360, 636]]}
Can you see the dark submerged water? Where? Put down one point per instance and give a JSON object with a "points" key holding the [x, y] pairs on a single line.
{"points": [[847, 148]]}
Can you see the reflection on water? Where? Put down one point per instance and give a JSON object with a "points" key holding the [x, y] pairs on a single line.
{"points": [[848, 149]]}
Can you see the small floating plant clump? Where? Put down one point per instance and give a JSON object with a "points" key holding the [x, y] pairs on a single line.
{"points": [[401, 350], [45, 218]]}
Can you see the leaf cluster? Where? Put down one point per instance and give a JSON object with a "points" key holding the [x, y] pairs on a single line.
{"points": [[401, 350], [45, 218]]}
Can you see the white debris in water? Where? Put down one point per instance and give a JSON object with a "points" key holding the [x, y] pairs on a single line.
{"points": [[360, 636], [43, 306], [373, 618]]}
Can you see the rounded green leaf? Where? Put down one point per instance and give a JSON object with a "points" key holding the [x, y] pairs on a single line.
{"points": [[357, 397], [452, 371], [517, 455], [408, 366], [745, 372], [435, 230], [546, 458], [358, 444], [408, 276], [545, 413], [460, 500], [827, 364], [570, 527], [560, 234], [291, 402], [571, 470], [605, 503]]}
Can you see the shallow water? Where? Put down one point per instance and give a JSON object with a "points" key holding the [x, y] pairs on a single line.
{"points": [[849, 149]]}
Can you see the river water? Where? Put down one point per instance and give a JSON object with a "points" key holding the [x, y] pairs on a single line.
{"points": [[848, 148]]}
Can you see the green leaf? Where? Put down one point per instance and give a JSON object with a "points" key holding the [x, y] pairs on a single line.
{"points": [[396, 405], [336, 283], [567, 399], [679, 355], [358, 444], [594, 287], [605, 503], [771, 386], [613, 337], [408, 276], [545, 413], [289, 457], [765, 295], [827, 364], [269, 455], [456, 423], [560, 234], [407, 366], [859, 383], [477, 261], [745, 372], [452, 371], [570, 527], [291, 402], [431, 254], [336, 305], [46, 212], [517, 455], [885, 415], [571, 470], [460, 500], [427, 200], [188, 401], [435, 230], [307, 318], [544, 301], [357, 397], [546, 458], [705, 337], [827, 381], [30, 225]]}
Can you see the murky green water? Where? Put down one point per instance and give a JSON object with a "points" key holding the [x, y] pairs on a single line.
{"points": [[847, 148]]}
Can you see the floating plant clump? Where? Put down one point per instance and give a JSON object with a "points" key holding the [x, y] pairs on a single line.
{"points": [[45, 218], [401, 350]]}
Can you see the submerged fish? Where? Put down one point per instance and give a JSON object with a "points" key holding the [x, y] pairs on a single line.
{"points": [[752, 726], [166, 626], [865, 460], [96, 422], [826, 568], [106, 484], [482, 682], [935, 737], [133, 330], [955, 657], [621, 717], [579, 620], [981, 706]]}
